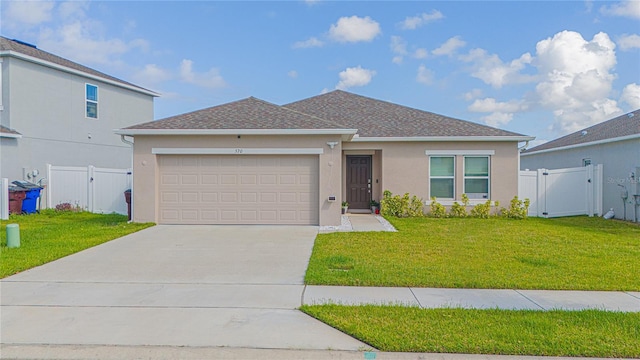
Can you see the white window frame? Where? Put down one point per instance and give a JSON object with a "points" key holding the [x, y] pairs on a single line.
{"points": [[488, 177], [443, 177], [86, 100]]}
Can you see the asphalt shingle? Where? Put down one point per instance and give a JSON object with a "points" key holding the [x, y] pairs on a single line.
{"points": [[249, 113], [623, 125], [377, 118], [22, 48]]}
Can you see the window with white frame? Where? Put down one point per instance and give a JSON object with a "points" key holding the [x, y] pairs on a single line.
{"points": [[476, 177], [442, 177], [91, 99]]}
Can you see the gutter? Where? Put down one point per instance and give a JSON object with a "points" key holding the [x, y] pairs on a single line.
{"points": [[598, 142]]}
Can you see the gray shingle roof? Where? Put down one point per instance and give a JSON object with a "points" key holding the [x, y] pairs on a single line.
{"points": [[623, 125], [11, 45], [376, 118], [249, 113]]}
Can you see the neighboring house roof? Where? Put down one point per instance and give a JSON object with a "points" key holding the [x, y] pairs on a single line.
{"points": [[376, 118], [246, 114], [619, 128], [28, 52], [342, 112], [9, 133]]}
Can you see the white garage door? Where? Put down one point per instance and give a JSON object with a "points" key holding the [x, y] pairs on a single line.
{"points": [[238, 189]]}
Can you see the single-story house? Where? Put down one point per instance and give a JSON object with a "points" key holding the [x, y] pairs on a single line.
{"points": [[614, 143], [254, 162]]}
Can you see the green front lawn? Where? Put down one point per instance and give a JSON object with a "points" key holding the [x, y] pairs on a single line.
{"points": [[51, 235], [589, 333], [576, 253]]}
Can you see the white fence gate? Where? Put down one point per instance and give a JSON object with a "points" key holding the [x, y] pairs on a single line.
{"points": [[562, 192], [97, 190]]}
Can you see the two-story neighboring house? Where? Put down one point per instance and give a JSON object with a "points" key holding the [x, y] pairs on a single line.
{"points": [[55, 111]]}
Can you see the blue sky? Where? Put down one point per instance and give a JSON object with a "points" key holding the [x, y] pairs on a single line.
{"points": [[534, 67]]}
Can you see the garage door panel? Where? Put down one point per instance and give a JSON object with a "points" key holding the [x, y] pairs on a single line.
{"points": [[237, 189]]}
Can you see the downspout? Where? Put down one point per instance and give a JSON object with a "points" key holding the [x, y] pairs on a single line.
{"points": [[130, 143]]}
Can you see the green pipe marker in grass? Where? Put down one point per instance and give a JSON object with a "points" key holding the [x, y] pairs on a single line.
{"points": [[13, 235]]}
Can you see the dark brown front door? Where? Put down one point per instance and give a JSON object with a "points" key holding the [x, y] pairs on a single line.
{"points": [[358, 181]]}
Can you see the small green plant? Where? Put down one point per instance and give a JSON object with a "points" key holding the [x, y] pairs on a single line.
{"points": [[482, 211], [458, 210], [518, 209], [374, 203], [437, 210], [345, 204], [400, 206]]}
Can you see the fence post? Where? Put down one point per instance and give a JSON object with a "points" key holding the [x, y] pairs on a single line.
{"points": [[541, 193], [590, 194], [4, 206], [90, 188], [49, 192]]}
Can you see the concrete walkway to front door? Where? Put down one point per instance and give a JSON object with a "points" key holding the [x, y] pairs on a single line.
{"points": [[192, 286]]}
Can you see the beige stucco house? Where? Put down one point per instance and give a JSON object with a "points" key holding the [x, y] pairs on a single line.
{"points": [[253, 162]]}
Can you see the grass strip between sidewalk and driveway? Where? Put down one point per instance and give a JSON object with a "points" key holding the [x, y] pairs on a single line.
{"points": [[573, 253], [51, 235], [587, 333]]}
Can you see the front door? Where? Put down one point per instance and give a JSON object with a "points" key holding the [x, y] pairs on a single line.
{"points": [[359, 181]]}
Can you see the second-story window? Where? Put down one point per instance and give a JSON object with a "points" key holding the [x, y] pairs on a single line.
{"points": [[91, 97]]}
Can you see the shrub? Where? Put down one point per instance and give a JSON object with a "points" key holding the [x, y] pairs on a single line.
{"points": [[458, 210], [405, 206], [518, 209], [437, 210], [482, 211]]}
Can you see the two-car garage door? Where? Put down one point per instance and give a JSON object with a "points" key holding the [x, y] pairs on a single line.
{"points": [[238, 189]]}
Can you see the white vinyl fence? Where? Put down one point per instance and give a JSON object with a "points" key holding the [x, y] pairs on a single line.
{"points": [[562, 192], [97, 190], [4, 199]]}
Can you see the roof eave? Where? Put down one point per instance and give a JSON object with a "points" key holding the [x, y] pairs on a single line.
{"points": [[590, 143], [10, 135], [134, 132], [76, 72], [442, 138]]}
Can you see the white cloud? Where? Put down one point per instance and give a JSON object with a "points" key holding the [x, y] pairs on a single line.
{"points": [[77, 41], [309, 43], [414, 22], [631, 96], [449, 47], [151, 74], [399, 47], [425, 76], [629, 42], [354, 29], [210, 79], [493, 71], [472, 95], [497, 119], [576, 79], [421, 53], [354, 76], [292, 74], [73, 9], [501, 112], [630, 8], [27, 13]]}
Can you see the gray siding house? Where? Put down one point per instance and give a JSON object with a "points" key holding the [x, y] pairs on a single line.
{"points": [[614, 143], [55, 111]]}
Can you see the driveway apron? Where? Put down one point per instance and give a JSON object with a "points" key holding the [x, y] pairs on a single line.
{"points": [[181, 285]]}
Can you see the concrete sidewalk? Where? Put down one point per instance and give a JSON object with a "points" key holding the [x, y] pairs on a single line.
{"points": [[473, 298]]}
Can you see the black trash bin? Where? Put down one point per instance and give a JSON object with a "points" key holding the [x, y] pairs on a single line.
{"points": [[127, 198]]}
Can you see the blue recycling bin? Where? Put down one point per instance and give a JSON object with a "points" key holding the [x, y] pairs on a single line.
{"points": [[32, 193], [30, 200]]}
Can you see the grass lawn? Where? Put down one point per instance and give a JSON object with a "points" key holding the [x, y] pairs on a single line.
{"points": [[51, 235], [575, 253], [589, 333]]}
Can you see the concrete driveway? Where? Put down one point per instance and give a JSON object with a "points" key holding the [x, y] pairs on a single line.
{"points": [[197, 286]]}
